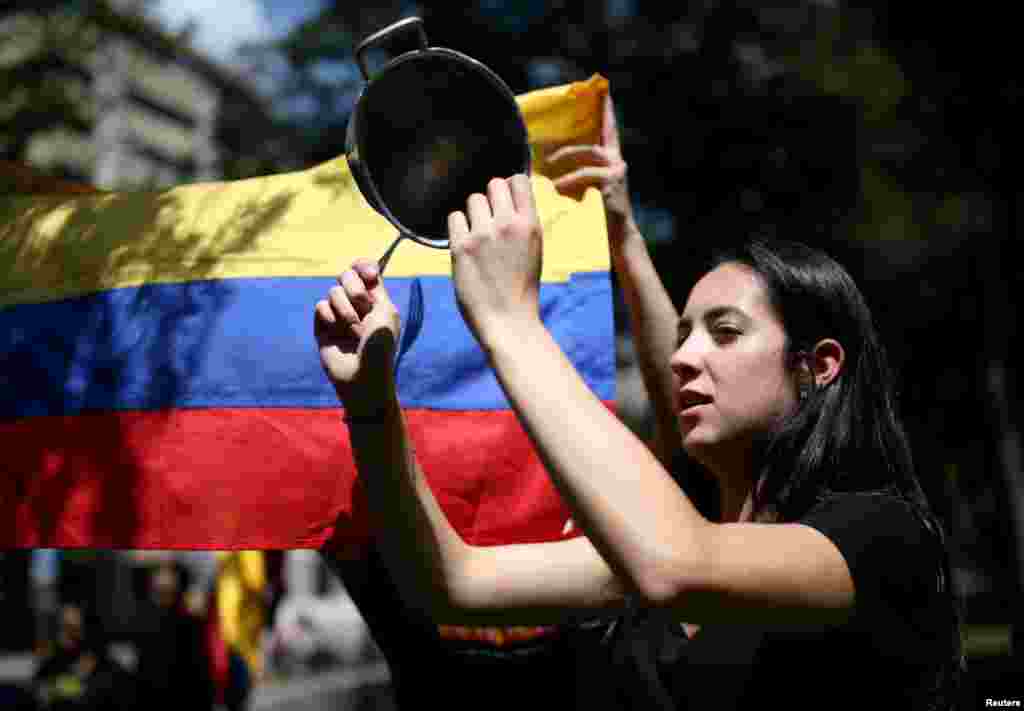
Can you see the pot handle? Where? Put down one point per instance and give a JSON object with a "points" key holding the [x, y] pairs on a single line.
{"points": [[409, 24]]}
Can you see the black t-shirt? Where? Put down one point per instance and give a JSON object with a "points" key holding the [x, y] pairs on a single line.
{"points": [[885, 656], [891, 653], [429, 670]]}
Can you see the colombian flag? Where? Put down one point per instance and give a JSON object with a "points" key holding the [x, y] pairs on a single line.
{"points": [[161, 387]]}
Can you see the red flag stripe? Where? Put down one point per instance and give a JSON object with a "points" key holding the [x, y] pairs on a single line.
{"points": [[200, 478]]}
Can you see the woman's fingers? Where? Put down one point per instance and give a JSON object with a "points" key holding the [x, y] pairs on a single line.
{"points": [[500, 196], [596, 155], [341, 306], [583, 178], [504, 200], [610, 126], [325, 317], [606, 153], [458, 227], [368, 270], [328, 326], [522, 194], [478, 210], [356, 292]]}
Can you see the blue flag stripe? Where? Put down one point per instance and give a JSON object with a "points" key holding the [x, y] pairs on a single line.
{"points": [[248, 343]]}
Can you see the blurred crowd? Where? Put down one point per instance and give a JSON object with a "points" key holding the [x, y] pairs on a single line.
{"points": [[193, 630]]}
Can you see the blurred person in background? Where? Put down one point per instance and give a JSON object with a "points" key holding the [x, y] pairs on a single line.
{"points": [[79, 674], [200, 576], [44, 575], [311, 629], [236, 642], [173, 662]]}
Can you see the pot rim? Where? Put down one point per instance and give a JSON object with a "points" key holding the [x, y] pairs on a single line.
{"points": [[357, 133]]}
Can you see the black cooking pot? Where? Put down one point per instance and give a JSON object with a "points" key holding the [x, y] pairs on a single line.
{"points": [[429, 129]]}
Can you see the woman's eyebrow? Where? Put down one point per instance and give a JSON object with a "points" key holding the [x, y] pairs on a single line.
{"points": [[713, 313], [717, 312]]}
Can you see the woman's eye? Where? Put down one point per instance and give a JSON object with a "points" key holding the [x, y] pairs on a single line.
{"points": [[726, 333]]}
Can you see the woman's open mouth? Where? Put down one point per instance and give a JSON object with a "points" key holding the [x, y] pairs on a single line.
{"points": [[690, 400]]}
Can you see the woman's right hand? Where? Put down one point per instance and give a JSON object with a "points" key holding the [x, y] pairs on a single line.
{"points": [[356, 329]]}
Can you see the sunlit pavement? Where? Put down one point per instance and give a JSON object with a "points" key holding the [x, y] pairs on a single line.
{"points": [[16, 668], [363, 687]]}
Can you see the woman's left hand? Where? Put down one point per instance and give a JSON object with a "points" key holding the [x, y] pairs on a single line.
{"points": [[496, 258], [601, 166]]}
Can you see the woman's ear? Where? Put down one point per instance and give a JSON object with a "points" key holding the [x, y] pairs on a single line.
{"points": [[827, 361]]}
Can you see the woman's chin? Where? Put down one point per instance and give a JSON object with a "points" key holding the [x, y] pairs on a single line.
{"points": [[696, 440], [705, 443]]}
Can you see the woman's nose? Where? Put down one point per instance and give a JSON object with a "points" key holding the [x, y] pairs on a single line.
{"points": [[685, 363]]}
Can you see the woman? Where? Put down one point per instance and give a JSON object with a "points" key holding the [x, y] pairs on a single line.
{"points": [[824, 566]]}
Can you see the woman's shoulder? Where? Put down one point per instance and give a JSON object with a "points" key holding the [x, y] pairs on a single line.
{"points": [[873, 515], [890, 544], [892, 547]]}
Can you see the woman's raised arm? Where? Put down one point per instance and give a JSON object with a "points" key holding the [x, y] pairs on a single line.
{"points": [[652, 314]]}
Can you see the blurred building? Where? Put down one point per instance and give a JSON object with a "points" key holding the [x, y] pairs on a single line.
{"points": [[92, 90]]}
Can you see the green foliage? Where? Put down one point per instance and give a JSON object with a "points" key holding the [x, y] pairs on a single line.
{"points": [[41, 88]]}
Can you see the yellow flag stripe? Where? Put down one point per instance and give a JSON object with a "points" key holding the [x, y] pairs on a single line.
{"points": [[306, 223]]}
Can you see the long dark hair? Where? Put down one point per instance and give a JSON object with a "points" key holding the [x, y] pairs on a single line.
{"points": [[846, 435]]}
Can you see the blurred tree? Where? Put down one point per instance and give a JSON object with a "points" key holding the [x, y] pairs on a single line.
{"points": [[43, 48], [944, 153]]}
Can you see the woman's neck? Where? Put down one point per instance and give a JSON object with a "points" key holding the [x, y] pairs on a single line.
{"points": [[733, 474], [736, 500]]}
